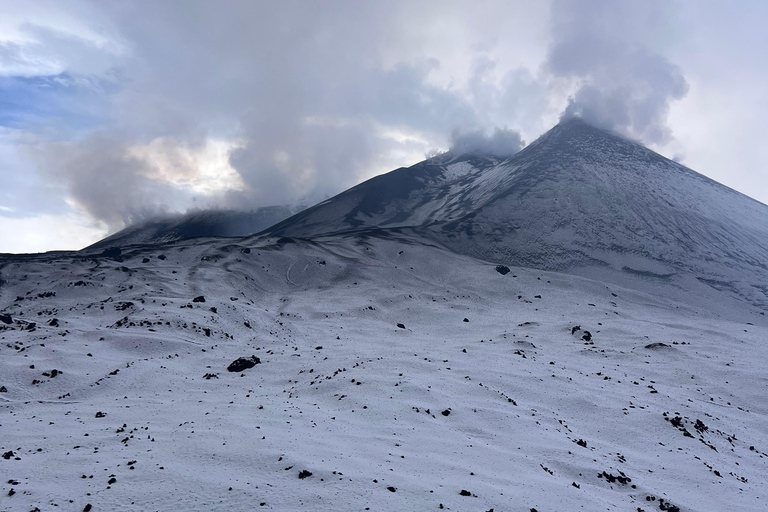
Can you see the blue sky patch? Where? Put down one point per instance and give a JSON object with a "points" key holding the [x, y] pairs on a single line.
{"points": [[59, 102]]}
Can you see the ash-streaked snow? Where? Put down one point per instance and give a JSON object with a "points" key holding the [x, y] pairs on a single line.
{"points": [[661, 401]]}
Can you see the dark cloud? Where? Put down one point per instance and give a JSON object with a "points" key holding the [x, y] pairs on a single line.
{"points": [[607, 47], [502, 143], [104, 180]]}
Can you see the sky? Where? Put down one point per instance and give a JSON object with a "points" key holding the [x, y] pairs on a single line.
{"points": [[112, 112]]}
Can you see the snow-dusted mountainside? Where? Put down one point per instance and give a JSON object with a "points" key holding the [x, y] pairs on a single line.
{"points": [[392, 375], [196, 224], [422, 341], [579, 200]]}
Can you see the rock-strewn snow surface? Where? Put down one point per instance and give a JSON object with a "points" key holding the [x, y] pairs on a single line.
{"points": [[404, 358], [554, 385]]}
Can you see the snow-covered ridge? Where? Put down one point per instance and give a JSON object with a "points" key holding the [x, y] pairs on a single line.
{"points": [[195, 224]]}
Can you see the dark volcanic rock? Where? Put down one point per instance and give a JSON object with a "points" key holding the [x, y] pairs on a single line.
{"points": [[401, 326], [112, 252], [656, 346], [304, 474], [200, 298], [502, 269], [465, 492], [243, 363], [6, 319]]}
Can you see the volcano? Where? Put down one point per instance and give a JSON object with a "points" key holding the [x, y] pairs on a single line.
{"points": [[580, 326], [580, 200]]}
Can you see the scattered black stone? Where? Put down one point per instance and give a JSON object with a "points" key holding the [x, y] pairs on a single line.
{"points": [[465, 492], [304, 474], [3, 389], [391, 489], [247, 250], [87, 508], [656, 346], [502, 269], [145, 260], [587, 336], [214, 310], [122, 306], [667, 506], [199, 299], [54, 322], [112, 480], [243, 363], [101, 414], [319, 347], [621, 478], [574, 329], [466, 319], [161, 257], [11, 492], [581, 443], [700, 426], [6, 319], [7, 455], [401, 326], [209, 376], [446, 412]]}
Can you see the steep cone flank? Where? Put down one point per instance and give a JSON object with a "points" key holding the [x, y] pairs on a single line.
{"points": [[578, 199]]}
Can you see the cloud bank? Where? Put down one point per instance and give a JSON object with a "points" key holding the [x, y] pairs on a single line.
{"points": [[623, 84], [502, 143], [160, 107]]}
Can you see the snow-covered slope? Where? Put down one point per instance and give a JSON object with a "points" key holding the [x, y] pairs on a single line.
{"points": [[579, 200], [393, 364], [196, 224], [393, 375]]}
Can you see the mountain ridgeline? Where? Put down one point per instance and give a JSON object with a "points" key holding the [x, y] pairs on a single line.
{"points": [[196, 224], [578, 200]]}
